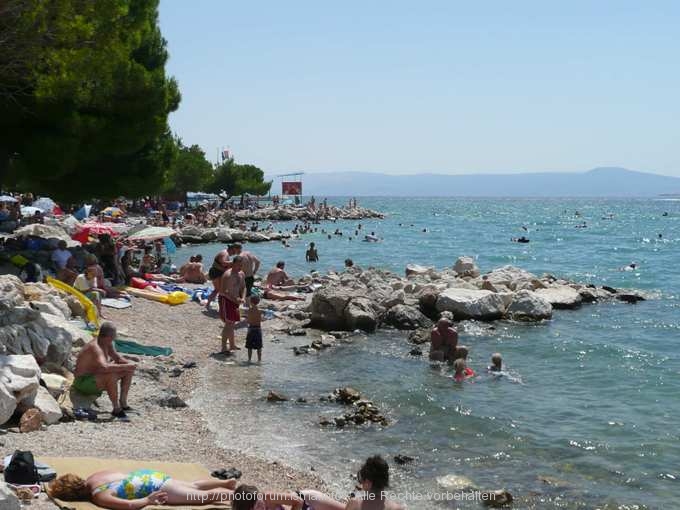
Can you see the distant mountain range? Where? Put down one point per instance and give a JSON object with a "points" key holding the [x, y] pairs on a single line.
{"points": [[599, 182]]}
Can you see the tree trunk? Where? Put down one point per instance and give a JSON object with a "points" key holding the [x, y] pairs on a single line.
{"points": [[4, 165]]}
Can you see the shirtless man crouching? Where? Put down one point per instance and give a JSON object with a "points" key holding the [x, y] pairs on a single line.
{"points": [[444, 343], [99, 368]]}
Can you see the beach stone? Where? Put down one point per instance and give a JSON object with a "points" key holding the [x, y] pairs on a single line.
{"points": [[456, 483], [274, 396], [403, 459], [419, 336], [418, 270], [395, 298], [561, 296], [406, 317], [50, 308], [208, 235], [511, 277], [19, 382], [347, 395], [471, 304], [465, 266], [169, 398], [223, 235], [629, 297], [11, 291], [328, 307], [361, 313], [8, 499], [55, 383], [30, 421], [48, 406], [529, 306], [497, 498]]}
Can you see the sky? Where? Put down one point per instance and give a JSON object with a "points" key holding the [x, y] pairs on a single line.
{"points": [[428, 86]]}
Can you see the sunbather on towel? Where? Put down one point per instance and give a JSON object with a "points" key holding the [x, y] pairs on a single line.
{"points": [[140, 488], [144, 487]]}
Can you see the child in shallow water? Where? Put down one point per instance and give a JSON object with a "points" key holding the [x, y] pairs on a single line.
{"points": [[462, 371], [496, 363], [254, 336]]}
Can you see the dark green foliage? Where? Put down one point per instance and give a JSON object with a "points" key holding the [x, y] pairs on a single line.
{"points": [[84, 111], [235, 179]]}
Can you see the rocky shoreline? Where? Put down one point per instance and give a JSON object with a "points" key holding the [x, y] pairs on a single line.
{"points": [[224, 234], [288, 213], [372, 298]]}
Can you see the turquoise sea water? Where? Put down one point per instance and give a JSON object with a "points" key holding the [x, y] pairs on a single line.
{"points": [[594, 405]]}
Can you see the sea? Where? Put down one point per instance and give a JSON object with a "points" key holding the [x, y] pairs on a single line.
{"points": [[587, 415]]}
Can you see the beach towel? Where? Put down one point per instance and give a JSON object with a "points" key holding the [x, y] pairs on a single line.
{"points": [[85, 466], [130, 347], [116, 303]]}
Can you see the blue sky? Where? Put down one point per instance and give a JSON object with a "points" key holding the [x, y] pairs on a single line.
{"points": [[429, 86]]}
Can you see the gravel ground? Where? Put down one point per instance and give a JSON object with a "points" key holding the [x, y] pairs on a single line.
{"points": [[157, 432]]}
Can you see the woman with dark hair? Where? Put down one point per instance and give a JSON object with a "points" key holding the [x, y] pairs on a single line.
{"points": [[374, 479]]}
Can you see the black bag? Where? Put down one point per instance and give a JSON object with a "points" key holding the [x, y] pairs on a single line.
{"points": [[21, 469]]}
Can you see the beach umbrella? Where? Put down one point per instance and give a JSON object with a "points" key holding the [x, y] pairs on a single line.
{"points": [[112, 211], [7, 198], [28, 210], [83, 212], [151, 233], [45, 204]]}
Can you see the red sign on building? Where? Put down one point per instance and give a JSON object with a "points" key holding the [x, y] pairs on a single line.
{"points": [[291, 188]]}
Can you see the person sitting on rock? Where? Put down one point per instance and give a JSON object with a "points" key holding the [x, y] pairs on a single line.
{"points": [[140, 488], [444, 343], [87, 283], [64, 263], [461, 370], [374, 478], [99, 368], [278, 277]]}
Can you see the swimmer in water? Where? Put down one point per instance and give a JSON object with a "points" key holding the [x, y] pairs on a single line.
{"points": [[496, 363], [630, 267], [462, 371]]}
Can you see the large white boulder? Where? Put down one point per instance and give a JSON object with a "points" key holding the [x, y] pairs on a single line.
{"points": [[529, 306], [361, 313], [465, 266], [19, 382], [511, 277], [471, 304], [223, 234], [11, 290], [48, 406], [561, 296], [24, 330], [328, 307], [56, 384]]}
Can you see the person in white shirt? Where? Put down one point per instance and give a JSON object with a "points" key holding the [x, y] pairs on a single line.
{"points": [[64, 263], [88, 285]]}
